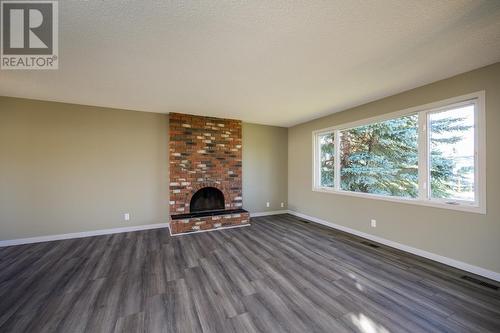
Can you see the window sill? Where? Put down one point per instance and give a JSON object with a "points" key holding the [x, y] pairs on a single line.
{"points": [[436, 204]]}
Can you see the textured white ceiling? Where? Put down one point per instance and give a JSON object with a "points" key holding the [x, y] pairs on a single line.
{"points": [[270, 62]]}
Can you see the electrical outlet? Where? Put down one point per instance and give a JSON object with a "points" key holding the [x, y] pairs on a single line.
{"points": [[267, 204], [373, 223], [126, 216], [282, 204]]}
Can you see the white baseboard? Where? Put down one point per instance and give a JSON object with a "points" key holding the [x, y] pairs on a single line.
{"points": [[49, 238], [214, 229], [273, 212], [432, 256]]}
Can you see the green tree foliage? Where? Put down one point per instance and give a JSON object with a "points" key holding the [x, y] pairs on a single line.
{"points": [[327, 145], [382, 158], [446, 131]]}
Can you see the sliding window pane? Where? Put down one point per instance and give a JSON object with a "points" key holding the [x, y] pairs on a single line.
{"points": [[381, 158], [327, 159], [452, 154]]}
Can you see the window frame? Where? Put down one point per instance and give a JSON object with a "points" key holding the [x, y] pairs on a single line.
{"points": [[424, 194]]}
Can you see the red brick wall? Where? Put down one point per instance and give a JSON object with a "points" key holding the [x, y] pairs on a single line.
{"points": [[204, 152]]}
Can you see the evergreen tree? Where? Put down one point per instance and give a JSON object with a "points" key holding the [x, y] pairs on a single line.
{"points": [[382, 158], [443, 179], [327, 145]]}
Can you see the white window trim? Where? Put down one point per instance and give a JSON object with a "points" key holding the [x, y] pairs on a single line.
{"points": [[479, 206]]}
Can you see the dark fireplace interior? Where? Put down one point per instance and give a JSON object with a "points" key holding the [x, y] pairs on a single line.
{"points": [[207, 199]]}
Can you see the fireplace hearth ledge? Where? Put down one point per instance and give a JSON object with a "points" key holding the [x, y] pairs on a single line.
{"points": [[207, 230], [207, 213], [209, 220]]}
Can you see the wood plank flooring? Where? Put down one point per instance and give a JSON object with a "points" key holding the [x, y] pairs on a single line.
{"points": [[278, 275]]}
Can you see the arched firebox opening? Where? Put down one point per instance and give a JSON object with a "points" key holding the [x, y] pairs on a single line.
{"points": [[207, 199]]}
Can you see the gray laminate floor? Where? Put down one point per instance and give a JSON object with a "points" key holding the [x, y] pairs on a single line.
{"points": [[279, 275]]}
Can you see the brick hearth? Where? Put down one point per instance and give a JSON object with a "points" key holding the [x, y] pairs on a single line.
{"points": [[204, 152]]}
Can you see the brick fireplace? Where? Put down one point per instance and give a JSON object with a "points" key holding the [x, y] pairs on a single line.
{"points": [[205, 174]]}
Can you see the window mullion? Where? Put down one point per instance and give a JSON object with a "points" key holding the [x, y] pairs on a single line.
{"points": [[317, 162], [423, 157], [477, 163], [337, 160]]}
